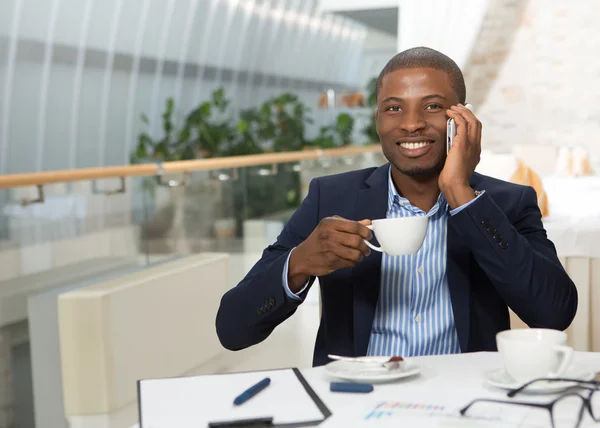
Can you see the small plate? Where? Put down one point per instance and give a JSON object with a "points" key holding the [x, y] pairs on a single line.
{"points": [[501, 379], [368, 372]]}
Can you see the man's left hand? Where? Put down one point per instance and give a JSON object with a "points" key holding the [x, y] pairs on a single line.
{"points": [[462, 158]]}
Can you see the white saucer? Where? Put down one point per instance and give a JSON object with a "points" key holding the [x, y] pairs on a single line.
{"points": [[501, 379], [363, 372]]}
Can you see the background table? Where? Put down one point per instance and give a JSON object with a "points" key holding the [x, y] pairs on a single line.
{"points": [[574, 227]]}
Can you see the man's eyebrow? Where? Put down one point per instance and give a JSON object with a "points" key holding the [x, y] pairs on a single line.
{"points": [[425, 98], [398, 99], [429, 97]]}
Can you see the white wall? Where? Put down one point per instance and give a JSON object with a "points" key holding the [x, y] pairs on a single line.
{"points": [[379, 48], [76, 74], [450, 26], [546, 90]]}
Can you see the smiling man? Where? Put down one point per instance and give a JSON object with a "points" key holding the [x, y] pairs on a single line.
{"points": [[486, 249]]}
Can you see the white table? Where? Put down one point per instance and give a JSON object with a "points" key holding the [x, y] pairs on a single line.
{"points": [[574, 221], [452, 381], [577, 242]]}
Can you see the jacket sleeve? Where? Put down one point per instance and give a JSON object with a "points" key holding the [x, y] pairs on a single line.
{"points": [[250, 311], [520, 261]]}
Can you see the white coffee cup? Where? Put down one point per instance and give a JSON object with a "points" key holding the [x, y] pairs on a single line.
{"points": [[399, 236], [535, 353]]}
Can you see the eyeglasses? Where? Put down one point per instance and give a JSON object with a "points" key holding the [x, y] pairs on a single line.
{"points": [[567, 410]]}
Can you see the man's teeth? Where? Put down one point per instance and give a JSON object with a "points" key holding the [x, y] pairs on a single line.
{"points": [[412, 146]]}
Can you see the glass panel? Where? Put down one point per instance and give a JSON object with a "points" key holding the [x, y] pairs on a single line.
{"points": [[236, 211], [336, 165], [149, 222], [221, 211], [76, 223]]}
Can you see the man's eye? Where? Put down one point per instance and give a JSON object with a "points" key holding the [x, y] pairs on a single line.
{"points": [[434, 107], [393, 108]]}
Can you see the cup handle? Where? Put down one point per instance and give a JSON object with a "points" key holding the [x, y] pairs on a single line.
{"points": [[373, 247], [567, 357]]}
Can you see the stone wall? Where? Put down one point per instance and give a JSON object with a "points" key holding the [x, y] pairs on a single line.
{"points": [[544, 88], [492, 46]]}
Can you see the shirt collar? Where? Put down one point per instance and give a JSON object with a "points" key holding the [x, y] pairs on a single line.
{"points": [[395, 198]]}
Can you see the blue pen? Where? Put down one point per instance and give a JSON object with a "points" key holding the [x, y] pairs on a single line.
{"points": [[252, 391]]}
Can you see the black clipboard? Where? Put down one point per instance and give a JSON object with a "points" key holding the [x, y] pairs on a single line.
{"points": [[309, 390]]}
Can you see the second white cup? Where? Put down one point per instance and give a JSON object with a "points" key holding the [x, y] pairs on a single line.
{"points": [[535, 353]]}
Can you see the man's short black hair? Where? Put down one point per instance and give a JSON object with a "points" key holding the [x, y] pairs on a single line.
{"points": [[423, 57]]}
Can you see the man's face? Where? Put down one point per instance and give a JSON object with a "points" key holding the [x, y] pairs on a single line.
{"points": [[411, 120]]}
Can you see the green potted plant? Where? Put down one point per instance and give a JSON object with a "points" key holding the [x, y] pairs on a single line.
{"points": [[337, 135], [279, 124], [210, 130], [208, 127], [206, 132], [158, 207]]}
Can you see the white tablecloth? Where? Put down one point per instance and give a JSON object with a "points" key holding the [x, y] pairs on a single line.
{"points": [[574, 221], [446, 381]]}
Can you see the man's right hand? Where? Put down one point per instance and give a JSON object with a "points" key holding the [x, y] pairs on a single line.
{"points": [[334, 244]]}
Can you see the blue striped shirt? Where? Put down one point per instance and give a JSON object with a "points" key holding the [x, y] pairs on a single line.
{"points": [[414, 312]]}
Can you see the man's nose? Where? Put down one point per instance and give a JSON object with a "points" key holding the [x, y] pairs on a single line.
{"points": [[412, 121]]}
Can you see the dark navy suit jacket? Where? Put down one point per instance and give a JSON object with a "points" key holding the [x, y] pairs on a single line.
{"points": [[498, 257]]}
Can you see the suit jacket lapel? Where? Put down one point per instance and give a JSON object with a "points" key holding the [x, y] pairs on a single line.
{"points": [[458, 266], [371, 204], [458, 270]]}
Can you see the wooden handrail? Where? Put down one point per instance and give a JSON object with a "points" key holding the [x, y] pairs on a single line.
{"points": [[153, 169]]}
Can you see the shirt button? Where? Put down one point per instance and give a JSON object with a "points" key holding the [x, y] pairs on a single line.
{"points": [[421, 270], [418, 318]]}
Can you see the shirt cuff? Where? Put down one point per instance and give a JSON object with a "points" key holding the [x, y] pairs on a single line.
{"points": [[284, 281], [462, 207]]}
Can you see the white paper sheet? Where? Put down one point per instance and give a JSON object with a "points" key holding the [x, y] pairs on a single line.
{"points": [[421, 415], [196, 401]]}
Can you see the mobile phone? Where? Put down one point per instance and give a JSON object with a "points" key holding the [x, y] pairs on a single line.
{"points": [[451, 130]]}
